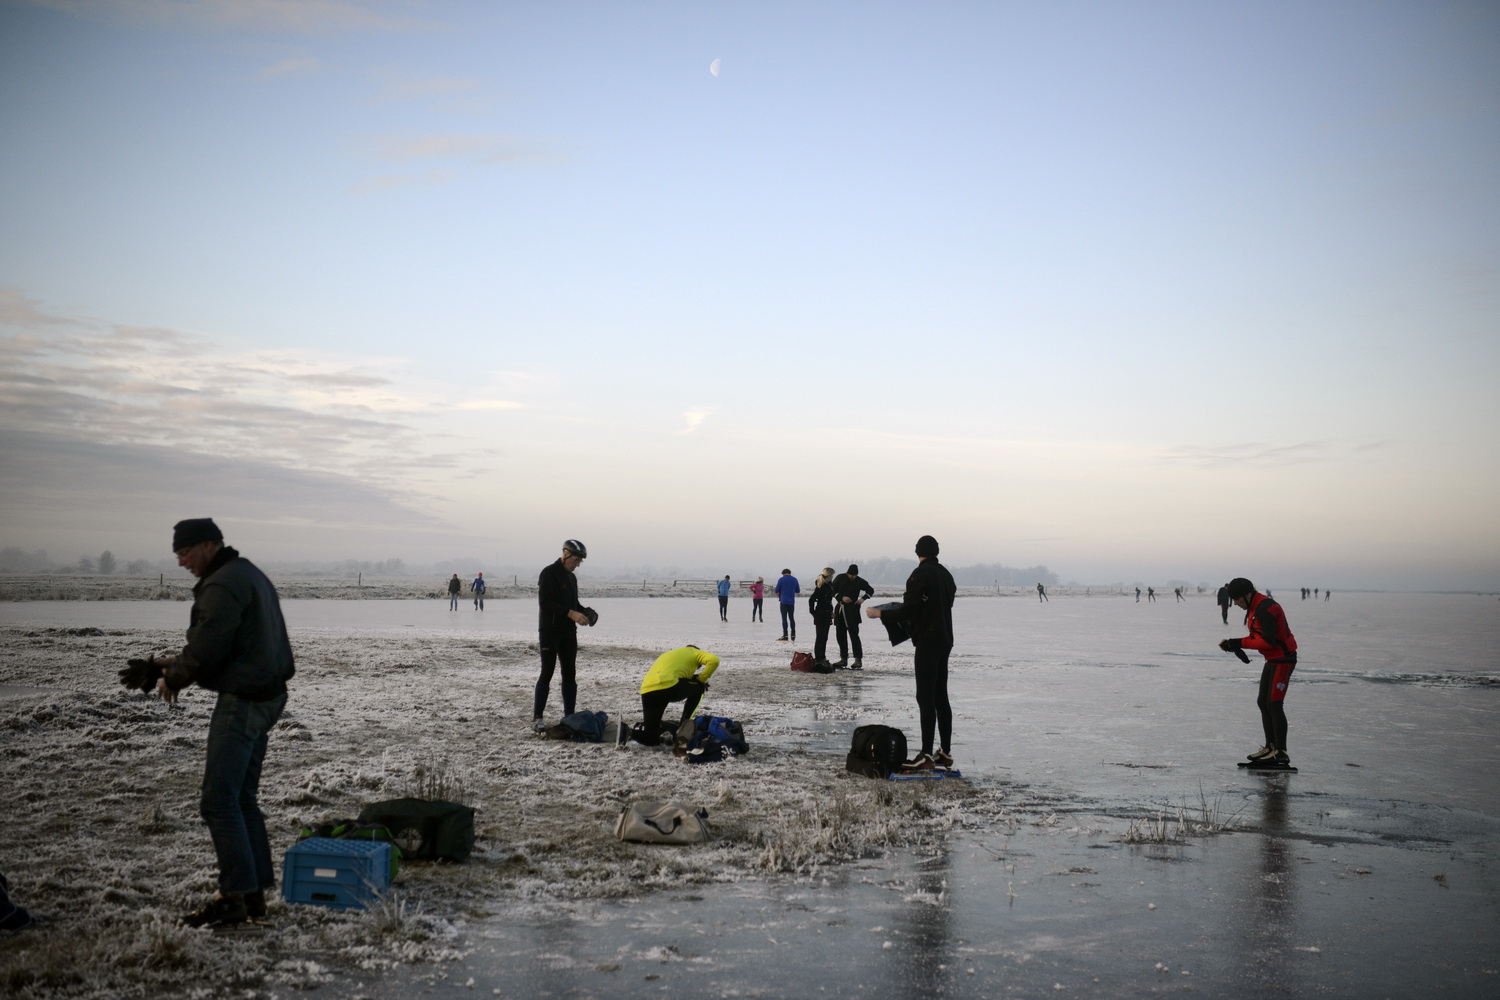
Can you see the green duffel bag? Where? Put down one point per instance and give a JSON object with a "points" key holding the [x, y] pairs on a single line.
{"points": [[425, 830]]}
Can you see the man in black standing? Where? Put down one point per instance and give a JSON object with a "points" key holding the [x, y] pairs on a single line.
{"points": [[1223, 599], [927, 610], [237, 646], [557, 628], [849, 592]]}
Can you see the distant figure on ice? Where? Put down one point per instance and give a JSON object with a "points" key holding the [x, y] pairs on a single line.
{"points": [[1138, 595], [849, 593], [724, 598], [1223, 599], [787, 589], [820, 606], [680, 675], [478, 588], [237, 647], [1178, 592], [758, 600], [1150, 594], [927, 608], [1041, 594], [1270, 634], [560, 614], [455, 587], [1327, 594]]}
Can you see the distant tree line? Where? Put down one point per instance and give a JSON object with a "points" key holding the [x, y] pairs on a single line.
{"points": [[887, 572], [16, 560]]}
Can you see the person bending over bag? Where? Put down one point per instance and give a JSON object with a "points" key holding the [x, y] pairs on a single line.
{"points": [[679, 675]]}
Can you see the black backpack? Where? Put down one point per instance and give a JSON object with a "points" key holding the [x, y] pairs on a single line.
{"points": [[425, 830], [876, 751]]}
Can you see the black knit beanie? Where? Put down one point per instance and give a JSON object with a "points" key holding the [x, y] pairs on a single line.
{"points": [[195, 530]]}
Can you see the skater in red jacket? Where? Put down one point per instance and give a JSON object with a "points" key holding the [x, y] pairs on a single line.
{"points": [[1270, 635]]}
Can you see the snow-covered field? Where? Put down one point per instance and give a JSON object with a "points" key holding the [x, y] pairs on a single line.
{"points": [[102, 841]]}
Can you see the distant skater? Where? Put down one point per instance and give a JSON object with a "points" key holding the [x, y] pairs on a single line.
{"points": [[927, 608], [478, 587], [787, 589], [1223, 599], [1326, 595], [1150, 595], [724, 598], [849, 593], [1178, 592], [1041, 594], [1138, 595], [820, 607], [455, 587], [1270, 634], [758, 600]]}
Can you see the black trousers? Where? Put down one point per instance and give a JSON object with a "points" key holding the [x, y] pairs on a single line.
{"points": [[846, 629], [558, 648], [820, 637], [932, 695], [654, 703]]}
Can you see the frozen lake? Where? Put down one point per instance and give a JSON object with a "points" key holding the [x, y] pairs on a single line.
{"points": [[1087, 710]]}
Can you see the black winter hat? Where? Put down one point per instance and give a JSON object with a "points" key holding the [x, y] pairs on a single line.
{"points": [[853, 570], [1239, 587], [927, 546], [195, 530]]}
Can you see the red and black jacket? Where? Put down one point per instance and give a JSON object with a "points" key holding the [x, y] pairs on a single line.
{"points": [[1269, 631]]}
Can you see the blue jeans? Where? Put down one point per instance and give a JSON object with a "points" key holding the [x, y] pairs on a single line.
{"points": [[237, 736]]}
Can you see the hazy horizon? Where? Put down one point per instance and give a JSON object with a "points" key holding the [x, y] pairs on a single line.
{"points": [[1133, 291]]}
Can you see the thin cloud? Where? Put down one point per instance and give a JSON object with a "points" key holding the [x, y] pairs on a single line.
{"points": [[480, 148], [399, 86], [295, 16], [491, 404], [290, 69], [1251, 454], [17, 310]]}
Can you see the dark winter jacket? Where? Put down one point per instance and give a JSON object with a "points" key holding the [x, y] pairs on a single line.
{"points": [[852, 588], [557, 594], [820, 603], [236, 638], [927, 605]]}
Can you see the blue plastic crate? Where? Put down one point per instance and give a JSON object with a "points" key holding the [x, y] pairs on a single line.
{"points": [[341, 874]]}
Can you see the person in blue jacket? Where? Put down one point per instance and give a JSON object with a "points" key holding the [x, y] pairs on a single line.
{"points": [[724, 598], [787, 589]]}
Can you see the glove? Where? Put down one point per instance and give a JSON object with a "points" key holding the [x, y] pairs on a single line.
{"points": [[141, 674], [592, 616], [1234, 646]]}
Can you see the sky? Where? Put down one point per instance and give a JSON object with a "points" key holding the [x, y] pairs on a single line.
{"points": [[1135, 290]]}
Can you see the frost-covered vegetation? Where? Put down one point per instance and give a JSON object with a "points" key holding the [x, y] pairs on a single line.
{"points": [[102, 841]]}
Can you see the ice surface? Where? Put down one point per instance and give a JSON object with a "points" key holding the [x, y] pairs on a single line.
{"points": [[1075, 719]]}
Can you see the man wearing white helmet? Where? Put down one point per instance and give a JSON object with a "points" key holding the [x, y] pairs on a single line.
{"points": [[557, 627]]}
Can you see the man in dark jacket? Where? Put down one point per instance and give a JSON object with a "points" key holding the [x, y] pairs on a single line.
{"points": [[237, 646], [849, 592], [557, 628], [927, 610]]}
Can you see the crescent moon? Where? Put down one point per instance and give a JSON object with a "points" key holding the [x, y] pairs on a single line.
{"points": [[713, 67]]}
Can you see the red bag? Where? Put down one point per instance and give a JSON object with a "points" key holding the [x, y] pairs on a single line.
{"points": [[803, 662]]}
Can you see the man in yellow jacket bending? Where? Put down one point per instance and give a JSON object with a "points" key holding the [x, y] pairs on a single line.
{"points": [[680, 675]]}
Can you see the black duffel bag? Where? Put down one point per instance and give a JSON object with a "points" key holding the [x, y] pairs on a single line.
{"points": [[425, 830], [876, 751]]}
